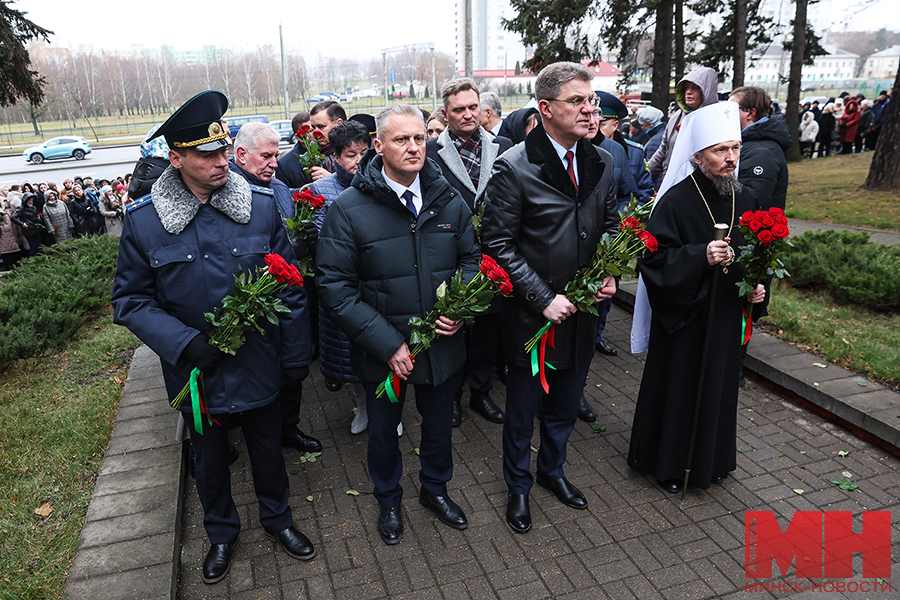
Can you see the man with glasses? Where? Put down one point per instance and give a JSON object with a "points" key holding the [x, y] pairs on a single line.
{"points": [[387, 243], [548, 202]]}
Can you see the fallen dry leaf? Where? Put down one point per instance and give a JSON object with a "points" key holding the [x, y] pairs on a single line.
{"points": [[44, 510]]}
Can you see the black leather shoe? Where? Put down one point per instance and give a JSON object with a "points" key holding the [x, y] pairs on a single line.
{"points": [[302, 442], [218, 562], [484, 406], [294, 543], [518, 515], [456, 417], [333, 386], [390, 525], [719, 479], [673, 486], [447, 511], [604, 348], [567, 493], [585, 412]]}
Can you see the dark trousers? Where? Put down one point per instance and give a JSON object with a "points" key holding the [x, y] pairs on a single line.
{"points": [[559, 411], [261, 430], [824, 148], [290, 398], [481, 351], [603, 308], [435, 453]]}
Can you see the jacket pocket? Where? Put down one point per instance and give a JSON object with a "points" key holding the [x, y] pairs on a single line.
{"points": [[161, 257], [243, 246]]}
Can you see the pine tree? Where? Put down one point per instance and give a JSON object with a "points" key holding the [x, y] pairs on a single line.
{"points": [[17, 79]]}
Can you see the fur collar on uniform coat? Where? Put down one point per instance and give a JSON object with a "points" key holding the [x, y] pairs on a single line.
{"points": [[450, 155], [177, 206], [590, 166]]}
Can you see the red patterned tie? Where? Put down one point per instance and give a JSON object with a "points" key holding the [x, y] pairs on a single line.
{"points": [[570, 169]]}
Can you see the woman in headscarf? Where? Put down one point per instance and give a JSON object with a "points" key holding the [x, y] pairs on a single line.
{"points": [[849, 123], [57, 219]]}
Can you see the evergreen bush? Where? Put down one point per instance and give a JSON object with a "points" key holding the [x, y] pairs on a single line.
{"points": [[853, 269], [47, 297]]}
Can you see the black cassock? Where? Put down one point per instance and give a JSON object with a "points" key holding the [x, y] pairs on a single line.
{"points": [[679, 280]]}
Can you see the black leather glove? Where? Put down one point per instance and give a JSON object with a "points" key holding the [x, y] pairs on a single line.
{"points": [[293, 376], [312, 236], [302, 248], [200, 354]]}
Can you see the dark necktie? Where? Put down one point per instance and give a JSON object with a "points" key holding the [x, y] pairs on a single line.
{"points": [[570, 169], [408, 198]]}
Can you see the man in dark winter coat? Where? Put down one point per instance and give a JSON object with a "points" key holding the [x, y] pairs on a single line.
{"points": [[387, 243], [546, 206], [466, 152], [180, 249], [255, 153]]}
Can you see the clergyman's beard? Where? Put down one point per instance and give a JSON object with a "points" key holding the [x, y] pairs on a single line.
{"points": [[725, 185]]}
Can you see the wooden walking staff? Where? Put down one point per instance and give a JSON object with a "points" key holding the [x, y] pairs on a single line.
{"points": [[721, 229]]}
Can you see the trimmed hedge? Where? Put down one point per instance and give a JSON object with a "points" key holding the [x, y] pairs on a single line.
{"points": [[47, 297], [853, 269]]}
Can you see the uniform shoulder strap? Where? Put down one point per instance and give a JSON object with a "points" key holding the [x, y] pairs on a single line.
{"points": [[139, 202]]}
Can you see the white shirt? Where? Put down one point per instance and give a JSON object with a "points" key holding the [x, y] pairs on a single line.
{"points": [[562, 155], [399, 189], [496, 128]]}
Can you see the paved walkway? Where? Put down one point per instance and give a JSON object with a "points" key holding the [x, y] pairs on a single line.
{"points": [[144, 536]]}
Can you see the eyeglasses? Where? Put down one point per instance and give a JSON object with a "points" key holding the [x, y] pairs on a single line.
{"points": [[579, 101]]}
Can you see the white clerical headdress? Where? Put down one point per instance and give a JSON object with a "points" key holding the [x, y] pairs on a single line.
{"points": [[702, 128]]}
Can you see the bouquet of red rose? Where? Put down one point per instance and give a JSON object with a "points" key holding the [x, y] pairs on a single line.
{"points": [[766, 233], [254, 298], [306, 205], [612, 257], [457, 301], [311, 139]]}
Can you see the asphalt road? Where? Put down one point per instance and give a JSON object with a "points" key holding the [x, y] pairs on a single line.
{"points": [[100, 163]]}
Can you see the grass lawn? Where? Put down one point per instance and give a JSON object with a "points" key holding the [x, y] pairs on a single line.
{"points": [[828, 190], [56, 413], [852, 337]]}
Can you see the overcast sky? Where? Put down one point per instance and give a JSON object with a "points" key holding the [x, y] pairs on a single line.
{"points": [[344, 29]]}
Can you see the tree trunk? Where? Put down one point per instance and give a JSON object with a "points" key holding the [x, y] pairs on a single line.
{"points": [[884, 174], [679, 40], [662, 55], [798, 48], [740, 42]]}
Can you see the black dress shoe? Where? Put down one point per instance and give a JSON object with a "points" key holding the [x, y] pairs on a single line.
{"points": [[294, 543], [719, 479], [447, 510], [604, 348], [333, 386], [484, 406], [673, 486], [456, 417], [585, 412], [390, 525], [218, 562], [518, 515], [567, 493], [302, 442]]}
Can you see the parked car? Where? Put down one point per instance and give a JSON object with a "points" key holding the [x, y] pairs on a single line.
{"points": [[234, 123], [59, 147], [284, 130], [317, 98]]}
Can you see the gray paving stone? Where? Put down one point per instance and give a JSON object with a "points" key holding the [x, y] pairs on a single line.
{"points": [[120, 557], [151, 583]]}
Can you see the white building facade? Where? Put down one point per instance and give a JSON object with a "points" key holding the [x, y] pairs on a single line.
{"points": [[493, 48]]}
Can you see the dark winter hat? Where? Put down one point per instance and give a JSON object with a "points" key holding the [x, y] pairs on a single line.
{"points": [[196, 124], [367, 120], [611, 107]]}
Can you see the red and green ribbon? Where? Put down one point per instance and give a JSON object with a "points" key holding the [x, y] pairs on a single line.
{"points": [[392, 387], [538, 352], [197, 406], [746, 324]]}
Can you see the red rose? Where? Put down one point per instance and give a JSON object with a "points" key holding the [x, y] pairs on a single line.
{"points": [[278, 267], [780, 231], [498, 275], [775, 211], [488, 264], [782, 219], [506, 287], [765, 236], [754, 225], [746, 217], [303, 130], [631, 223], [767, 220], [318, 135], [293, 276], [297, 196], [650, 242]]}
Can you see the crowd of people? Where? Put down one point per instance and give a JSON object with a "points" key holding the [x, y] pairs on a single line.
{"points": [[38, 214], [846, 124], [400, 189]]}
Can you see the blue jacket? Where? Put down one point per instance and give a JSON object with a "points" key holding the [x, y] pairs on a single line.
{"points": [[177, 260], [625, 185], [639, 169], [334, 345]]}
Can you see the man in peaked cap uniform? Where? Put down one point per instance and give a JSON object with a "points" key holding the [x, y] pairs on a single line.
{"points": [[180, 249], [612, 112]]}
